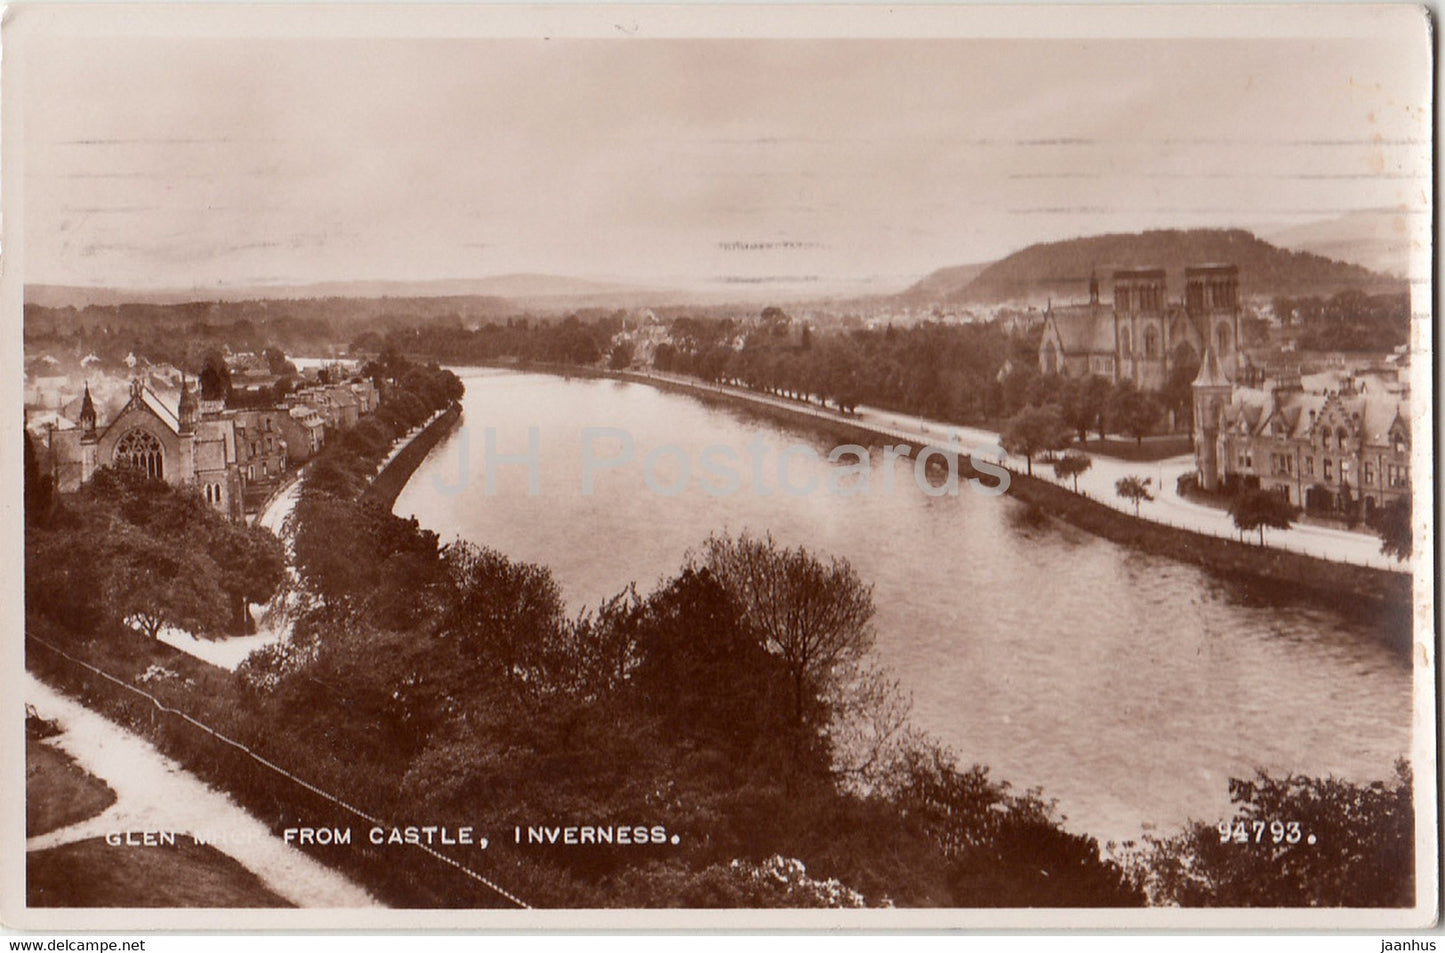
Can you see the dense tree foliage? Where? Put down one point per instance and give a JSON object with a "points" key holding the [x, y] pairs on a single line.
{"points": [[1256, 509], [1351, 320], [1394, 524], [1291, 842], [137, 551], [1035, 430]]}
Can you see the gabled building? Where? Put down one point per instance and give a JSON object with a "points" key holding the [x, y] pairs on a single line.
{"points": [[261, 446], [304, 430], [180, 444], [1141, 336], [1327, 452]]}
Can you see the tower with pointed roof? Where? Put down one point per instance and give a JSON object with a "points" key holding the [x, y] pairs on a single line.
{"points": [[1212, 391], [188, 409], [87, 415]]}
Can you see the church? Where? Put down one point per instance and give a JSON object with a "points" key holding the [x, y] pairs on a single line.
{"points": [[192, 444], [1143, 337]]}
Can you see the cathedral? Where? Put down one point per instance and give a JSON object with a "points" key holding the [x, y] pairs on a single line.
{"points": [[190, 445], [1143, 337]]}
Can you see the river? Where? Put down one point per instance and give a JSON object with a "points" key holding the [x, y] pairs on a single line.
{"points": [[1128, 687]]}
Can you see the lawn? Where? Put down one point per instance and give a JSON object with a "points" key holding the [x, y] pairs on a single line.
{"points": [[59, 792], [1151, 449], [92, 873]]}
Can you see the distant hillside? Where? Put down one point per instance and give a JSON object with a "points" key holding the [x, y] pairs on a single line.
{"points": [[944, 282], [517, 290], [1379, 239], [1061, 270]]}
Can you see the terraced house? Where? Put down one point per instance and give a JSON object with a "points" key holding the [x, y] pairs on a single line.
{"points": [[1341, 450]]}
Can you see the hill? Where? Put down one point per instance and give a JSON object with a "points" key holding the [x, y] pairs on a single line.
{"points": [[943, 282], [1061, 269], [515, 291], [1379, 239]]}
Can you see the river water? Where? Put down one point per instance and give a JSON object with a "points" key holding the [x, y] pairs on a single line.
{"points": [[1128, 687]]}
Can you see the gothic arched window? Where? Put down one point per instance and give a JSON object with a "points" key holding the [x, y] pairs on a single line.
{"points": [[1126, 342], [1223, 336], [1151, 343], [141, 450]]}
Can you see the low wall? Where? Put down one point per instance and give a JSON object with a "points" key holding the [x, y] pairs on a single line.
{"points": [[1333, 582], [1342, 584], [387, 485]]}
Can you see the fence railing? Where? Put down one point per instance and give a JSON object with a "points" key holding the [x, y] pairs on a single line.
{"points": [[269, 765]]}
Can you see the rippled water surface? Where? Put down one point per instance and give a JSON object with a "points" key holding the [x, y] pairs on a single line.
{"points": [[1129, 687]]}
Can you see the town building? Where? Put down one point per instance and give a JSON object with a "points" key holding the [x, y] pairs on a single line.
{"points": [[184, 445], [304, 431], [261, 446], [1141, 336], [1336, 451]]}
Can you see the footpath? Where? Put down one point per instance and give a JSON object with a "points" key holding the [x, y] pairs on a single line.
{"points": [[155, 794], [1097, 483]]}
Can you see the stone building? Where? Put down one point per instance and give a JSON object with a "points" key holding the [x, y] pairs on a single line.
{"points": [[182, 445], [1141, 336], [1328, 452]]}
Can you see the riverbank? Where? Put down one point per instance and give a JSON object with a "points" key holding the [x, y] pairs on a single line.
{"points": [[1340, 583], [388, 484]]}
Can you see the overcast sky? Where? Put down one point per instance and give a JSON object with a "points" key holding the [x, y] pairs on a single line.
{"points": [[857, 164]]}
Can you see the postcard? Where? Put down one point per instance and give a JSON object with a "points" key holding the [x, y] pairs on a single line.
{"points": [[720, 467]]}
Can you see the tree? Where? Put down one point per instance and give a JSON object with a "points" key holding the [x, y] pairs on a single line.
{"points": [[1133, 411], [1134, 489], [39, 488], [1072, 464], [621, 356], [253, 566], [215, 377], [501, 612], [1085, 400], [151, 583], [1256, 509], [277, 363], [692, 640], [1035, 430], [1291, 842], [815, 614], [1393, 523], [1003, 849]]}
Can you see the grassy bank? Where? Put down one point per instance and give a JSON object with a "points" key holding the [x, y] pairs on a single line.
{"points": [[212, 696], [388, 484], [92, 873], [59, 792]]}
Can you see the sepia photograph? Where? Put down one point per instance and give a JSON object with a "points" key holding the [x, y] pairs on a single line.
{"points": [[720, 467]]}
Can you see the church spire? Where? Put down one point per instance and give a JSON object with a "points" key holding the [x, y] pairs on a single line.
{"points": [[87, 413], [1210, 373]]}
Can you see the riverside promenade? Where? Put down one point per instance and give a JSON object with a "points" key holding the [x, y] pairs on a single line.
{"points": [[1097, 483]]}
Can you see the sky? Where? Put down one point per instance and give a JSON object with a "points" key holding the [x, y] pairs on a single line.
{"points": [[840, 165]]}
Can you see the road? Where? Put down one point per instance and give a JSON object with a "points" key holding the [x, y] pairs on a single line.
{"points": [[1337, 545]]}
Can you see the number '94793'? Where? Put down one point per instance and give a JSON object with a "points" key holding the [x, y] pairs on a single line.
{"points": [[1263, 832]]}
